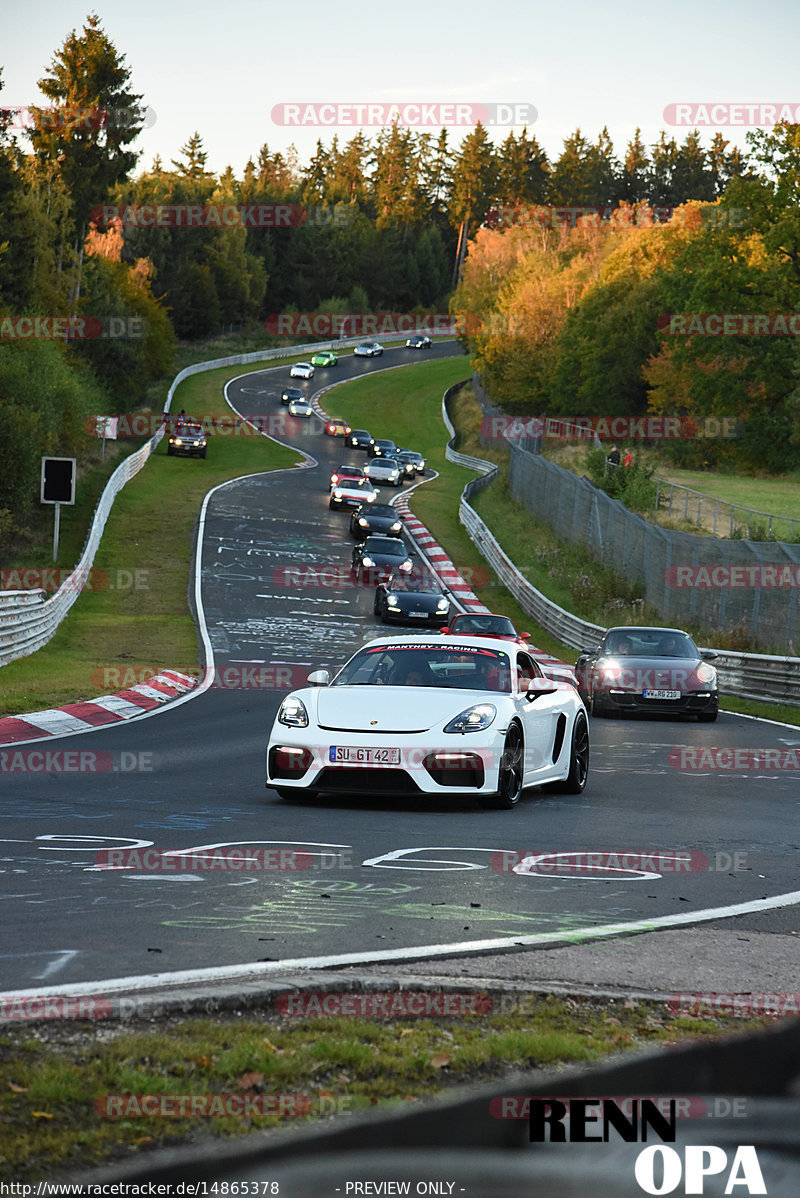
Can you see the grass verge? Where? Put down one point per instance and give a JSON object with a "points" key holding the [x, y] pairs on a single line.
{"points": [[54, 1077]]}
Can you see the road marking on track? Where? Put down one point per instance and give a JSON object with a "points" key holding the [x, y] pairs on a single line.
{"points": [[423, 952]]}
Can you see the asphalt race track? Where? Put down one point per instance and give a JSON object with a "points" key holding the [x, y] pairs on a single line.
{"points": [[383, 877]]}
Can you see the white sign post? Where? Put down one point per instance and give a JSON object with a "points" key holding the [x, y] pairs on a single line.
{"points": [[106, 427]]}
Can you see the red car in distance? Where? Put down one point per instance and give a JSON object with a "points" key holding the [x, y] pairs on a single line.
{"points": [[484, 624]]}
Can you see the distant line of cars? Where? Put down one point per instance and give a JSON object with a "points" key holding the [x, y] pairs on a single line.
{"points": [[459, 703]]}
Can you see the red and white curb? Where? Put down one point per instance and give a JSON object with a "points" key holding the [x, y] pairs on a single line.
{"points": [[439, 559], [108, 709]]}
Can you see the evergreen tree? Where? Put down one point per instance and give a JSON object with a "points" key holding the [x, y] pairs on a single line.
{"points": [[473, 188], [97, 117]]}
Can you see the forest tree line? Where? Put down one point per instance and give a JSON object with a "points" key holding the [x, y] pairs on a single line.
{"points": [[401, 202]]}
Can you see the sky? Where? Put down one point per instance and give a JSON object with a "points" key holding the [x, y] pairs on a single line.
{"points": [[222, 69]]}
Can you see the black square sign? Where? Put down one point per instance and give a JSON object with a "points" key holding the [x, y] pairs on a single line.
{"points": [[58, 480]]}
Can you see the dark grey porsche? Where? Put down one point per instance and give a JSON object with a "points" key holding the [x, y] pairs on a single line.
{"points": [[648, 669]]}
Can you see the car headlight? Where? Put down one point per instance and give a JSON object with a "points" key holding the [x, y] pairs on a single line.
{"points": [[337, 494], [178, 441], [406, 566], [443, 604], [395, 527], [392, 601], [473, 719], [363, 522], [293, 713], [371, 498], [706, 674], [367, 561]]}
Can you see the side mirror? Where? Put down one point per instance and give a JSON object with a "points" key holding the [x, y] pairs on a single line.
{"points": [[318, 678], [591, 651], [524, 636], [709, 655], [548, 688]]}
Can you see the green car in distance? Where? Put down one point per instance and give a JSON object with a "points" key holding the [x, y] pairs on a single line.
{"points": [[324, 358]]}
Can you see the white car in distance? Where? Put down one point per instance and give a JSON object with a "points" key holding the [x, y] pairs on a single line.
{"points": [[384, 470], [302, 370]]}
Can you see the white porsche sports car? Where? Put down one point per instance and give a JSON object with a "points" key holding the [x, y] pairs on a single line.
{"points": [[431, 715]]}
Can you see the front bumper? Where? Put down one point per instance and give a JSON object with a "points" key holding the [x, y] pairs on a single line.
{"points": [[429, 763], [403, 615], [689, 703]]}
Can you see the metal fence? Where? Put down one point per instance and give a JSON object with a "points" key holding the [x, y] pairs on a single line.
{"points": [[722, 517], [748, 675], [27, 625], [687, 578]]}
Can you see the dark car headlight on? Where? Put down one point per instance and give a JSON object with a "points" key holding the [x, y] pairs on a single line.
{"points": [[395, 527], [362, 520], [406, 566], [293, 713], [706, 674], [443, 604], [367, 561], [393, 601], [473, 719]]}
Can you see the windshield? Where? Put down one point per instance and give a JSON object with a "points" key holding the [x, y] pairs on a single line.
{"points": [[389, 546], [419, 664], [411, 582], [649, 642], [383, 510], [493, 625]]}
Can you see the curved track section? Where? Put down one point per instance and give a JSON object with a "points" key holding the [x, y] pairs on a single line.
{"points": [[656, 840]]}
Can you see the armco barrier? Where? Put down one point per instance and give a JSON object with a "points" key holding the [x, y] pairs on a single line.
{"points": [[748, 675], [28, 624]]}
